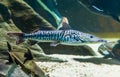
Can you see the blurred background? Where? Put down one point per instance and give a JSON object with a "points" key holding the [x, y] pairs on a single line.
{"points": [[80, 18]]}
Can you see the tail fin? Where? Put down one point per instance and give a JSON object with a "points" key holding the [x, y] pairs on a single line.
{"points": [[17, 36]]}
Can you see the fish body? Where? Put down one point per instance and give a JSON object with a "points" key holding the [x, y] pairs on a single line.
{"points": [[66, 37]]}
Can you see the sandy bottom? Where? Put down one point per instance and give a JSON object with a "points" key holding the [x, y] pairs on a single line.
{"points": [[81, 66]]}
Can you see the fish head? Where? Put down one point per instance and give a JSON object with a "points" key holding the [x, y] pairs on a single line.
{"points": [[92, 38]]}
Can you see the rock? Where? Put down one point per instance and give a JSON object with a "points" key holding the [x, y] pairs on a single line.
{"points": [[116, 50], [3, 68], [26, 18], [16, 12], [25, 62], [11, 19], [110, 49]]}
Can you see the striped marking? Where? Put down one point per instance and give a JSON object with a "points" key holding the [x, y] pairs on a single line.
{"points": [[67, 36]]}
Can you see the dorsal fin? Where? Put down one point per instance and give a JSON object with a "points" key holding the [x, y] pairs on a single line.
{"points": [[28, 55], [64, 25]]}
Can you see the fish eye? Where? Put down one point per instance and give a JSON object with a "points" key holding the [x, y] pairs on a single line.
{"points": [[91, 36]]}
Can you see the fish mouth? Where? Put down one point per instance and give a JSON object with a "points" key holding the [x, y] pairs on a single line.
{"points": [[102, 41]]}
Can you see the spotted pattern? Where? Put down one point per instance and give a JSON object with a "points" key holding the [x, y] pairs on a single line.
{"points": [[68, 36]]}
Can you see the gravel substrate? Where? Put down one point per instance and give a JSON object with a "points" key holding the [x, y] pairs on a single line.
{"points": [[81, 66]]}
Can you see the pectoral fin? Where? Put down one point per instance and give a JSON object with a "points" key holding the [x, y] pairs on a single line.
{"points": [[54, 43]]}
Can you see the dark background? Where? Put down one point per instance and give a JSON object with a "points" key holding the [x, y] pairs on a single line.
{"points": [[80, 18]]}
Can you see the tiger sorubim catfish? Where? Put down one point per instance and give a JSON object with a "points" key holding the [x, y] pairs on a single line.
{"points": [[66, 36]]}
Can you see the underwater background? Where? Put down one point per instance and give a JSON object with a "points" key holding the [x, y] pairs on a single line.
{"points": [[43, 60], [81, 18]]}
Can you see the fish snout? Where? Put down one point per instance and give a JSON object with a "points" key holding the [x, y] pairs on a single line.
{"points": [[102, 40]]}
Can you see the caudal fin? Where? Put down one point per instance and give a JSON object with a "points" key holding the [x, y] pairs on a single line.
{"points": [[17, 36]]}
